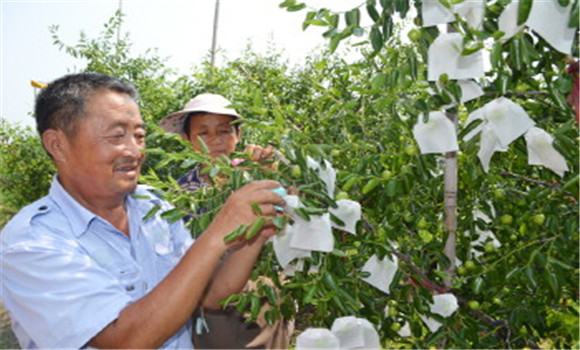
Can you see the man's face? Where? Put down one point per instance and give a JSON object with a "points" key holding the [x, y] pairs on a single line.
{"points": [[104, 156], [216, 131]]}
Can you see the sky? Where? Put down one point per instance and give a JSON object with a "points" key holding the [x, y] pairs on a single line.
{"points": [[180, 30]]}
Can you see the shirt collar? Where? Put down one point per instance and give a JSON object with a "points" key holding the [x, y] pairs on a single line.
{"points": [[78, 216]]}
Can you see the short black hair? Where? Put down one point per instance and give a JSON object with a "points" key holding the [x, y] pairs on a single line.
{"points": [[61, 105]]}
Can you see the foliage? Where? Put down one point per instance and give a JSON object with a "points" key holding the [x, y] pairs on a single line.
{"points": [[25, 170], [359, 116]]}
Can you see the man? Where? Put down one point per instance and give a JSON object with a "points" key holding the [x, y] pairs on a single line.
{"points": [[210, 118], [81, 268]]}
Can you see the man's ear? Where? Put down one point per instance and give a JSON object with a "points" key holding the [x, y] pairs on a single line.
{"points": [[55, 142]]}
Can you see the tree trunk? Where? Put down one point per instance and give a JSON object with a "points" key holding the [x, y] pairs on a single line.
{"points": [[450, 208]]}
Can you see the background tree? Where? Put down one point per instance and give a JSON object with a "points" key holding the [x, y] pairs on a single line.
{"points": [[360, 116]]}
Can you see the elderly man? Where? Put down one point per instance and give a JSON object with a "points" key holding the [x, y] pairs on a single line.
{"points": [[81, 267]]}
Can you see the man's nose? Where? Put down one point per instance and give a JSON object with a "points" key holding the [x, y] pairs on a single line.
{"points": [[134, 146]]}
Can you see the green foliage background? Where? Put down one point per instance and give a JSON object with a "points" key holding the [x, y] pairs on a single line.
{"points": [[359, 116]]}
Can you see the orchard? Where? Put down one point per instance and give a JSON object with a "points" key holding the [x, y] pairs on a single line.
{"points": [[437, 173]]}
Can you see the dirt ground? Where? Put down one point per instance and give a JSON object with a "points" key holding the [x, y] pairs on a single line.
{"points": [[7, 338]]}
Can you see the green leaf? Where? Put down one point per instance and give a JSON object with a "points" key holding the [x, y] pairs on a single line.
{"points": [[445, 3], [386, 4], [334, 41], [564, 3], [255, 228], [524, 8], [552, 280], [287, 3], [402, 6], [256, 208], [471, 47], [372, 11], [204, 148], [352, 17], [376, 39], [477, 284], [502, 82], [574, 16], [296, 8], [412, 61], [308, 20], [280, 221], [516, 53], [173, 215], [370, 185], [235, 233], [392, 187], [530, 274], [152, 212], [387, 28]]}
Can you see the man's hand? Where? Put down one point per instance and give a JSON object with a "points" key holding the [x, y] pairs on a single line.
{"points": [[238, 210]]}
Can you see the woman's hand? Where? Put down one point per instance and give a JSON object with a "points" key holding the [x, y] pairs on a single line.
{"points": [[259, 153]]}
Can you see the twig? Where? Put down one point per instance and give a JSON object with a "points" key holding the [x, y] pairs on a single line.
{"points": [[503, 331], [552, 185]]}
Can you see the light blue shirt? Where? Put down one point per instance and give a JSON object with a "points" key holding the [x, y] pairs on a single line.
{"points": [[67, 273]]}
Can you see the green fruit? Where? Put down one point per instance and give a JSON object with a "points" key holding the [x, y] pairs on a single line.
{"points": [[335, 153], [469, 264], [296, 172], [407, 216], [414, 35], [539, 219], [386, 174], [473, 304], [422, 223], [342, 195], [497, 301], [506, 219], [382, 233], [499, 193], [489, 247], [393, 311], [513, 237], [461, 270], [426, 236], [395, 326], [393, 303], [411, 150]]}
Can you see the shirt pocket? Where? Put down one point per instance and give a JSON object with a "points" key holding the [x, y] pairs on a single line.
{"points": [[130, 277]]}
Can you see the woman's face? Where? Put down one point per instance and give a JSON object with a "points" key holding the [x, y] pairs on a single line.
{"points": [[216, 131]]}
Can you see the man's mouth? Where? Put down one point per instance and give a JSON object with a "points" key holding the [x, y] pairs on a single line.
{"points": [[127, 168]]}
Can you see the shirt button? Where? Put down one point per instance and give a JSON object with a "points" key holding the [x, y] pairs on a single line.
{"points": [[42, 208], [130, 288]]}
